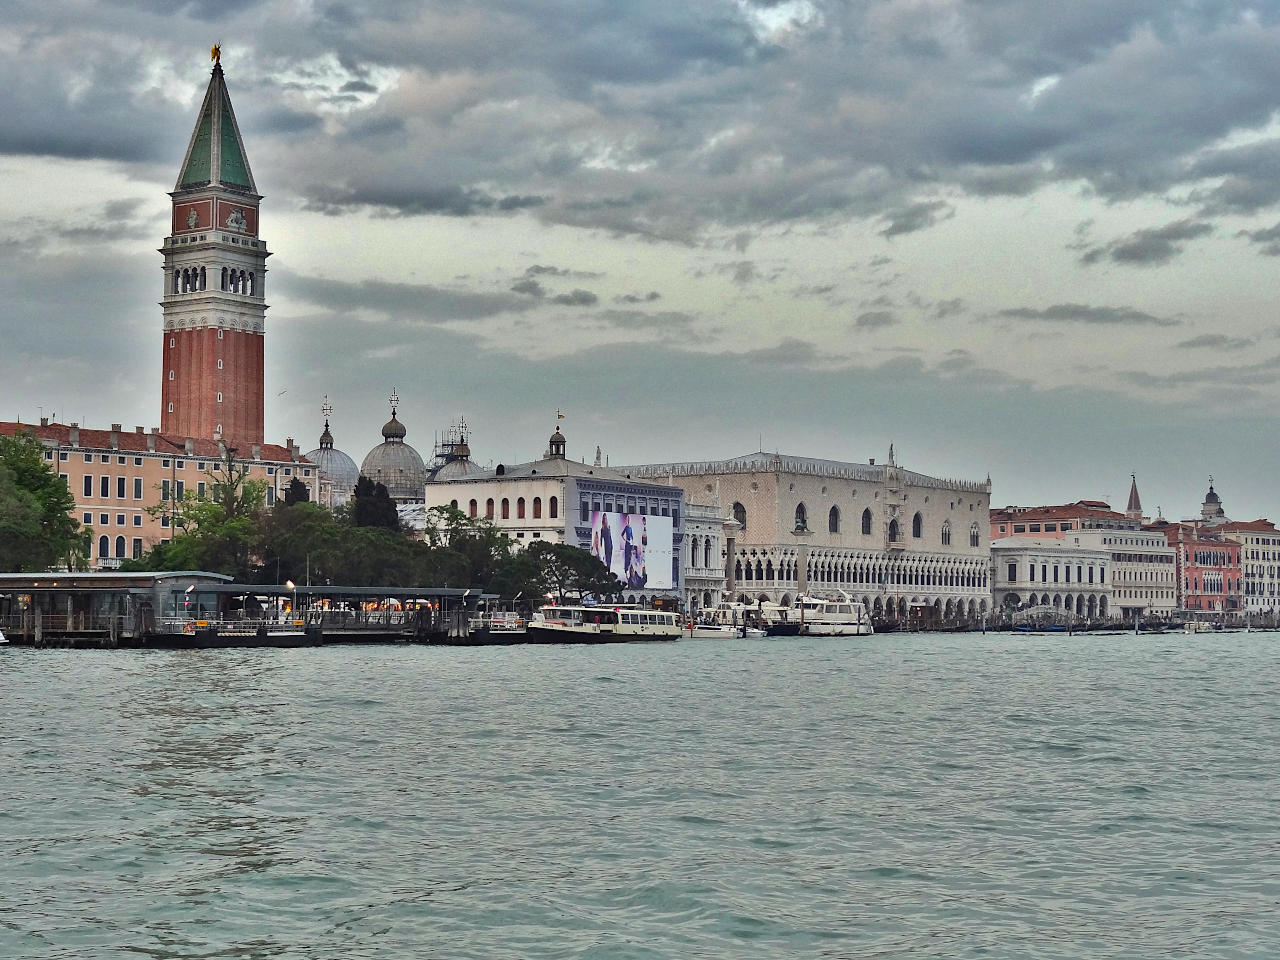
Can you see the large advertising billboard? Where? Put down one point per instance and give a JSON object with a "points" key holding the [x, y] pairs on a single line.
{"points": [[635, 547]]}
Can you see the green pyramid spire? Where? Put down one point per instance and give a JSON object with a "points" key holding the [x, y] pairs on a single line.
{"points": [[216, 152]]}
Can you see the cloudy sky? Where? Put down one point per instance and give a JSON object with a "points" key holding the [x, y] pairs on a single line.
{"points": [[1036, 240]]}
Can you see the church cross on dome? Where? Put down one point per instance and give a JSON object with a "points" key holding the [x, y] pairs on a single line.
{"points": [[326, 408], [394, 400]]}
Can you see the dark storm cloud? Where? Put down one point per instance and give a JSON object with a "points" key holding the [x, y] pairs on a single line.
{"points": [[944, 309], [530, 287], [541, 269], [1268, 239], [448, 199], [576, 298], [123, 219], [1085, 314], [1152, 247], [1249, 178], [403, 301], [1216, 341], [875, 320], [663, 120], [671, 320], [916, 216], [1262, 373], [791, 352]]}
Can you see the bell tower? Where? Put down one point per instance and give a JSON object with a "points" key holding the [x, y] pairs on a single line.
{"points": [[214, 273]]}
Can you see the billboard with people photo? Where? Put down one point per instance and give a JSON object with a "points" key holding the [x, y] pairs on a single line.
{"points": [[635, 547]]}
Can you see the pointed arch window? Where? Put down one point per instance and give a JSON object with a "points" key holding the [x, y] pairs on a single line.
{"points": [[802, 517], [917, 526], [946, 533], [866, 521], [833, 520], [895, 532], [706, 552], [740, 516], [973, 534]]}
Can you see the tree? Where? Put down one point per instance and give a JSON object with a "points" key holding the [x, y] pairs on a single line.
{"points": [[297, 493], [372, 506], [476, 541], [294, 542], [37, 528], [563, 570], [216, 534]]}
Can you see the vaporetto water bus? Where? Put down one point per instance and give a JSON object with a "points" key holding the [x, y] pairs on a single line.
{"points": [[556, 623]]}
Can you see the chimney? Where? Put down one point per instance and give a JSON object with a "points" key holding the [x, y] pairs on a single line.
{"points": [[115, 436], [151, 439], [190, 446], [73, 435], [44, 421], [256, 450], [138, 430]]}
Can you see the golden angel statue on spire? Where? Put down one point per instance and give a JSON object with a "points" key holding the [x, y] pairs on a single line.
{"points": [[215, 53]]}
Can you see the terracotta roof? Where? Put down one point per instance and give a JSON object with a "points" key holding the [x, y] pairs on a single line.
{"points": [[1241, 526], [132, 441], [1065, 511]]}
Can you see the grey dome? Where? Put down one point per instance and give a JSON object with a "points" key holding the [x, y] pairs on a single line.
{"points": [[399, 468], [461, 469], [339, 469], [336, 467]]}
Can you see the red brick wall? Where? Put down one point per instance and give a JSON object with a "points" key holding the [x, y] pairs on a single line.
{"points": [[196, 382]]}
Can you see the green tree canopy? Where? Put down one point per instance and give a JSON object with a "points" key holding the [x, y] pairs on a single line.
{"points": [[215, 534], [372, 506], [37, 527], [566, 572]]}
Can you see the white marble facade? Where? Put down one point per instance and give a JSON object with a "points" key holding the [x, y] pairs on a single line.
{"points": [[910, 546]]}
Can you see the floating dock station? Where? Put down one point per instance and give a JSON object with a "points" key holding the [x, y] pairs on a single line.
{"points": [[195, 609]]}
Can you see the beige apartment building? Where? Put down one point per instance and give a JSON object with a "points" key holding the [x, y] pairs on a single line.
{"points": [[115, 475]]}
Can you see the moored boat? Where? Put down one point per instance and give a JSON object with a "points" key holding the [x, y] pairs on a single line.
{"points": [[557, 623], [820, 617]]}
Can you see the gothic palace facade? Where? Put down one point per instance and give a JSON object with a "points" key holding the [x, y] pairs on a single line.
{"points": [[907, 545]]}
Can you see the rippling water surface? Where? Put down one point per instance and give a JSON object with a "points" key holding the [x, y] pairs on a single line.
{"points": [[895, 796]]}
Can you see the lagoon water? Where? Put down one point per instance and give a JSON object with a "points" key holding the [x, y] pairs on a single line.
{"points": [[893, 796]]}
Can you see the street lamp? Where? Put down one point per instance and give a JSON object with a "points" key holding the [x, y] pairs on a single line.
{"points": [[294, 608]]}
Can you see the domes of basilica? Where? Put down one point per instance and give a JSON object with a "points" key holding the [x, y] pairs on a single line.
{"points": [[395, 464], [334, 466]]}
